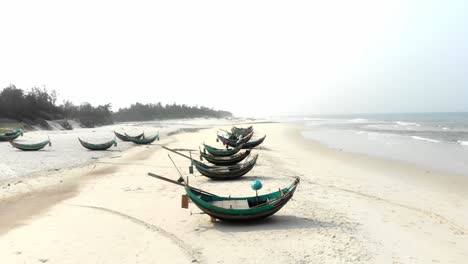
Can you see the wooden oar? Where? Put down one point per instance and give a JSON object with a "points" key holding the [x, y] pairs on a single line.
{"points": [[165, 179], [177, 183], [176, 152]]}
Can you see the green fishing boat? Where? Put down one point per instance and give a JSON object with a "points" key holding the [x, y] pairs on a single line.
{"points": [[102, 146], [240, 131], [144, 140], [31, 147], [238, 209], [222, 152], [225, 161], [11, 135], [126, 137], [236, 142], [220, 172], [225, 172], [254, 143]]}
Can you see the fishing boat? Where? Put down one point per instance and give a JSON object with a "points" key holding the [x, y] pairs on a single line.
{"points": [[225, 161], [126, 137], [221, 172], [225, 172], [240, 131], [102, 146], [11, 135], [235, 143], [31, 147], [222, 152], [237, 209], [253, 144], [144, 140]]}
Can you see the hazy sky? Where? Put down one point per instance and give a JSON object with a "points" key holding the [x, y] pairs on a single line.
{"points": [[248, 57]]}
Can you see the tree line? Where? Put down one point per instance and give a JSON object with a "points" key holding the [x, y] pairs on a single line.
{"points": [[145, 112], [41, 104]]}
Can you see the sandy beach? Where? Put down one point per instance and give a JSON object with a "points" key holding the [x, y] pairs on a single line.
{"points": [[349, 208]]}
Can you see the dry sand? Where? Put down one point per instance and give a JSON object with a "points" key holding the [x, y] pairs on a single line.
{"points": [[348, 209]]}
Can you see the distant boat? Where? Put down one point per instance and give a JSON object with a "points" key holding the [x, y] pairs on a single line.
{"points": [[102, 146], [11, 135], [31, 147], [144, 140], [127, 137]]}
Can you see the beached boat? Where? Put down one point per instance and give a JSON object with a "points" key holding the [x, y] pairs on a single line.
{"points": [[240, 131], [31, 147], [235, 143], [225, 172], [225, 161], [222, 152], [126, 137], [102, 146], [221, 172], [11, 135], [237, 209], [254, 143], [144, 140]]}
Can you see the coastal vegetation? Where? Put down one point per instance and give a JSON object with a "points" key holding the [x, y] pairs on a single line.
{"points": [[35, 106], [145, 112]]}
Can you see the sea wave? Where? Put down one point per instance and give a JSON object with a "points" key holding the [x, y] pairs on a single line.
{"points": [[314, 119], [425, 139], [401, 123], [358, 120], [463, 143]]}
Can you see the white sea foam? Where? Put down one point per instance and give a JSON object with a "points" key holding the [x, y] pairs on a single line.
{"points": [[425, 139], [358, 120], [463, 143], [401, 123], [314, 119]]}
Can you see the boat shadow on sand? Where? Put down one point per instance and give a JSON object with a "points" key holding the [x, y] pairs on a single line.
{"points": [[275, 222]]}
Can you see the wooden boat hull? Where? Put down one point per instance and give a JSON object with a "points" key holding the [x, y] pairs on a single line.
{"points": [[98, 147], [235, 143], [239, 131], [11, 135], [270, 204], [144, 141], [225, 161], [127, 137], [253, 144], [226, 172], [221, 152], [31, 147]]}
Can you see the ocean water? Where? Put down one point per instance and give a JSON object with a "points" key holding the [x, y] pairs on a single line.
{"points": [[434, 140]]}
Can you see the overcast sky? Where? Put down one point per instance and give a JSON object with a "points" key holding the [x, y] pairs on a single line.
{"points": [[249, 57]]}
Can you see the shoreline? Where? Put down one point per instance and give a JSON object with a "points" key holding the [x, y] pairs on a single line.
{"points": [[67, 153], [348, 209]]}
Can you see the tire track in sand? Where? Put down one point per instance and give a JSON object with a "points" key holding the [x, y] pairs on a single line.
{"points": [[188, 250]]}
